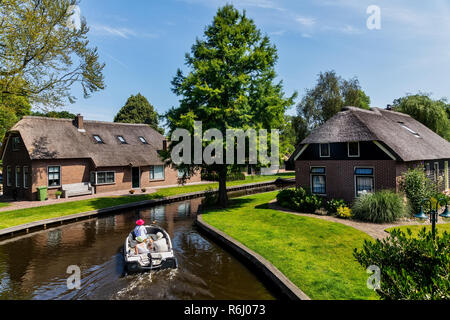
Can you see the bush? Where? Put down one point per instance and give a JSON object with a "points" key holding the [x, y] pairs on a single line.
{"points": [[344, 212], [416, 186], [332, 205], [381, 206], [411, 268], [231, 176], [299, 200]]}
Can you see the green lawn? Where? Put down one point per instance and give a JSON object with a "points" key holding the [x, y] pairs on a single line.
{"points": [[314, 254], [416, 228], [16, 217], [4, 204]]}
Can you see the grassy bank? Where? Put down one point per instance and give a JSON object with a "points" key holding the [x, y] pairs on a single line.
{"points": [[416, 228], [314, 254], [16, 217]]}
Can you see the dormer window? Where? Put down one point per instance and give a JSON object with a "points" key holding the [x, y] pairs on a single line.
{"points": [[121, 139], [324, 150], [98, 139], [15, 143], [143, 140], [353, 149]]}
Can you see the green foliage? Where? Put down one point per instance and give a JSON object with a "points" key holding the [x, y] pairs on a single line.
{"points": [[416, 186], [12, 109], [344, 212], [137, 109], [327, 98], [411, 268], [431, 113], [230, 85], [379, 207], [42, 55], [54, 114], [332, 205], [299, 200], [231, 176]]}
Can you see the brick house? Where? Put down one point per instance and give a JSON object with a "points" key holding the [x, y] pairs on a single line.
{"points": [[359, 151], [50, 152]]}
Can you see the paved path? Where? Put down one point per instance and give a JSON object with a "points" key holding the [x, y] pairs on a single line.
{"points": [[375, 230], [15, 205]]}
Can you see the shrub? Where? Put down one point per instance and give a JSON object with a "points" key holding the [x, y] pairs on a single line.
{"points": [[58, 193], [299, 200], [344, 212], [416, 186], [411, 268], [381, 206], [231, 176], [332, 205]]}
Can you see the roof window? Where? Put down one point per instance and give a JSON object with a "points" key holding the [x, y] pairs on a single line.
{"points": [[98, 139], [409, 129], [143, 140], [121, 139]]}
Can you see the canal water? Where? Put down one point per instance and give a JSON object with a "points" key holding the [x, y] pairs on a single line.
{"points": [[35, 266]]}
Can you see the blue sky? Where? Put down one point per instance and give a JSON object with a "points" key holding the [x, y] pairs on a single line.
{"points": [[143, 43]]}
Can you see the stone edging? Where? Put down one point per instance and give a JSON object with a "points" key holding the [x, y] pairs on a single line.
{"points": [[279, 280], [47, 223]]}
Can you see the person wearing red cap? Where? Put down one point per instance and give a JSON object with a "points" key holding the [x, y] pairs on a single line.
{"points": [[140, 230]]}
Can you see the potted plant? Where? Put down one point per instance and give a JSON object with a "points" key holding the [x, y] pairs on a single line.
{"points": [[144, 190], [131, 191], [58, 194]]}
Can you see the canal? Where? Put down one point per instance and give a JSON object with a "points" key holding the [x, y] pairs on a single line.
{"points": [[34, 266]]}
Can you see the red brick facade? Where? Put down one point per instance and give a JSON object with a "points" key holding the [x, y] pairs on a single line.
{"points": [[340, 178]]}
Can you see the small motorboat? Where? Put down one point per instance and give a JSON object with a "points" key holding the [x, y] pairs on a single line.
{"points": [[161, 254]]}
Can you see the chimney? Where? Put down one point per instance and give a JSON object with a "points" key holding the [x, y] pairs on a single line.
{"points": [[389, 107], [79, 123]]}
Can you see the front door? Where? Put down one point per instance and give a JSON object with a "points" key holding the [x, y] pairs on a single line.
{"points": [[135, 177]]}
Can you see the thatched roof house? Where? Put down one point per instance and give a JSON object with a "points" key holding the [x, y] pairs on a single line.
{"points": [[110, 156], [379, 139]]}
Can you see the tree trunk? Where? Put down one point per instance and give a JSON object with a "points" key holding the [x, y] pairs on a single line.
{"points": [[223, 196]]}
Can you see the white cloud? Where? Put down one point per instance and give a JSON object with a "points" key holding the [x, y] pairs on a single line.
{"points": [[278, 33], [101, 29], [348, 29], [306, 21]]}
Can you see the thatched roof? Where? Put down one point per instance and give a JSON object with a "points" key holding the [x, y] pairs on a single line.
{"points": [[389, 127], [49, 138]]}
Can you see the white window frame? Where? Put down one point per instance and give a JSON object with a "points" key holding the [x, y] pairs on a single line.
{"points": [[320, 150], [178, 173], [8, 176], [17, 176], [96, 183], [25, 186], [355, 176], [60, 178], [317, 174], [348, 150], [152, 168]]}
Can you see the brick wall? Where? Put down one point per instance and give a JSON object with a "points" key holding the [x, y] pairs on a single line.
{"points": [[340, 179], [16, 158]]}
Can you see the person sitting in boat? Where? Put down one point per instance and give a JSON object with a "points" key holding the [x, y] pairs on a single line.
{"points": [[142, 246], [160, 244], [140, 230]]}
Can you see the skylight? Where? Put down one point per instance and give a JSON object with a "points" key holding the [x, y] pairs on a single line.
{"points": [[409, 130], [98, 139], [143, 140], [121, 140]]}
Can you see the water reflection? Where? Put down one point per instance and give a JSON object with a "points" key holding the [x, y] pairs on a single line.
{"points": [[34, 266]]}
